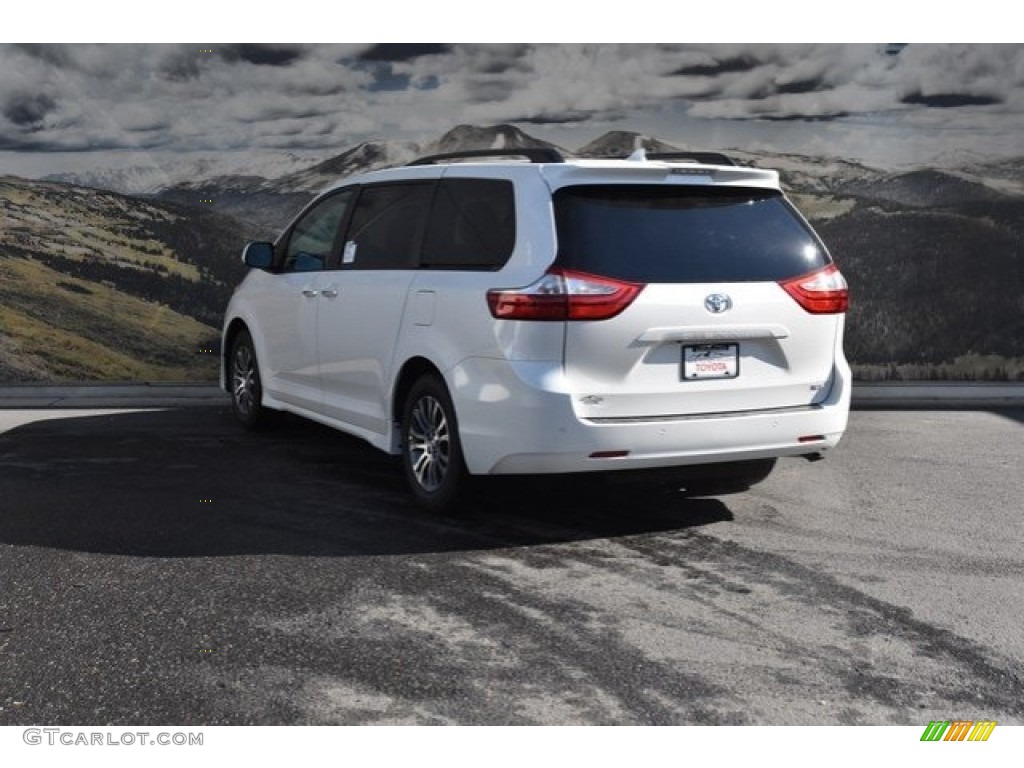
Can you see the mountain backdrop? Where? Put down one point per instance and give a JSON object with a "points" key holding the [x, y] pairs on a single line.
{"points": [[124, 275]]}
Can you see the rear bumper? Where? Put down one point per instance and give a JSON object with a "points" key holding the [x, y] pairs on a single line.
{"points": [[647, 445], [509, 426]]}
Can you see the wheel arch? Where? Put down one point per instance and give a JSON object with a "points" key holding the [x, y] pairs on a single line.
{"points": [[411, 371]]}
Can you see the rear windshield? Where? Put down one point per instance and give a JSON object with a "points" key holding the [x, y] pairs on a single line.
{"points": [[668, 234]]}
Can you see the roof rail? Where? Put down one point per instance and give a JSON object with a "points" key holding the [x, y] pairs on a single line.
{"points": [[704, 158], [533, 154]]}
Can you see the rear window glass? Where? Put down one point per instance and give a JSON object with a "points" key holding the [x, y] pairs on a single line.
{"points": [[472, 225], [669, 234]]}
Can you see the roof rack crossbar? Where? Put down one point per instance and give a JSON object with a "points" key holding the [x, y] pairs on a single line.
{"points": [[533, 154], [704, 158]]}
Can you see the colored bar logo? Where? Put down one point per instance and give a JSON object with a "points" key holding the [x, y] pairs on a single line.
{"points": [[958, 730]]}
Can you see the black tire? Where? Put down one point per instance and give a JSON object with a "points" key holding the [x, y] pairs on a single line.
{"points": [[246, 389], [431, 452]]}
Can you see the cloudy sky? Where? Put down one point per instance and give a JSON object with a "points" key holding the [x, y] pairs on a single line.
{"points": [[67, 106]]}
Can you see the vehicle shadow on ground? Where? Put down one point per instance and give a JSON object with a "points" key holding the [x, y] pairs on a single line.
{"points": [[191, 483], [1013, 414]]}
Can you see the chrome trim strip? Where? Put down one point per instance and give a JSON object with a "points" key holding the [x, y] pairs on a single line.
{"points": [[699, 416]]}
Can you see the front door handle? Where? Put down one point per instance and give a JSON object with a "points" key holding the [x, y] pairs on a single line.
{"points": [[309, 293], [329, 293]]}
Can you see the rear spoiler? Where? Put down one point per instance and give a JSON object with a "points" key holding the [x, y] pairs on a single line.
{"points": [[658, 172]]}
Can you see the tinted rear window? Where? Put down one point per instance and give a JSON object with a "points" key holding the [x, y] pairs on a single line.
{"points": [[668, 234]]}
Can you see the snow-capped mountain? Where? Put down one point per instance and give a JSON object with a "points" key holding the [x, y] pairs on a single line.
{"points": [[367, 156], [623, 144], [285, 173], [272, 201], [161, 172], [293, 173], [504, 136], [372, 155]]}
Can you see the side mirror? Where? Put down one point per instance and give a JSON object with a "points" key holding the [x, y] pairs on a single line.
{"points": [[258, 255]]}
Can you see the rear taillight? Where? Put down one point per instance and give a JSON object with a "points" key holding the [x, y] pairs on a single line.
{"points": [[821, 293], [562, 294]]}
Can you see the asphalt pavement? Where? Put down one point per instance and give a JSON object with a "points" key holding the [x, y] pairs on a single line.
{"points": [[163, 566]]}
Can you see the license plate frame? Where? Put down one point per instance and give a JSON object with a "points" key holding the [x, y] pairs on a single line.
{"points": [[704, 362]]}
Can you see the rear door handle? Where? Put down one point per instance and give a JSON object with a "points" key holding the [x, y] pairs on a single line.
{"points": [[329, 293], [309, 293]]}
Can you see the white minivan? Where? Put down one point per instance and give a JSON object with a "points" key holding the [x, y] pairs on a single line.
{"points": [[486, 316]]}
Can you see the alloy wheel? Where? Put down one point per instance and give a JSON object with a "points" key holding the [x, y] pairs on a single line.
{"points": [[429, 443], [244, 379]]}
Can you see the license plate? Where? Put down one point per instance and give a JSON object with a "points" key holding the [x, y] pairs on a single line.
{"points": [[711, 361]]}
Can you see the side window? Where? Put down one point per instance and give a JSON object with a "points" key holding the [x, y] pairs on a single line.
{"points": [[312, 238], [472, 225], [387, 226]]}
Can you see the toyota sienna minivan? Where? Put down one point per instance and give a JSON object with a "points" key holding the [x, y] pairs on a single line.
{"points": [[482, 315]]}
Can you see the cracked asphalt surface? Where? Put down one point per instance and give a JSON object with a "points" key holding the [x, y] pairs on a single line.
{"points": [[168, 567]]}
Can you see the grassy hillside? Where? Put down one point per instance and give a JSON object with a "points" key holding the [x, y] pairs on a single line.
{"points": [[936, 282], [96, 285]]}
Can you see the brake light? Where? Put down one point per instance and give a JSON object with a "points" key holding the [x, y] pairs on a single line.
{"points": [[823, 292], [564, 294]]}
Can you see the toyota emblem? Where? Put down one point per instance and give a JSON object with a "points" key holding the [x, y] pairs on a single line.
{"points": [[716, 303]]}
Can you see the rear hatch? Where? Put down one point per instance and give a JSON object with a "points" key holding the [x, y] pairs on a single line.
{"points": [[729, 300]]}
